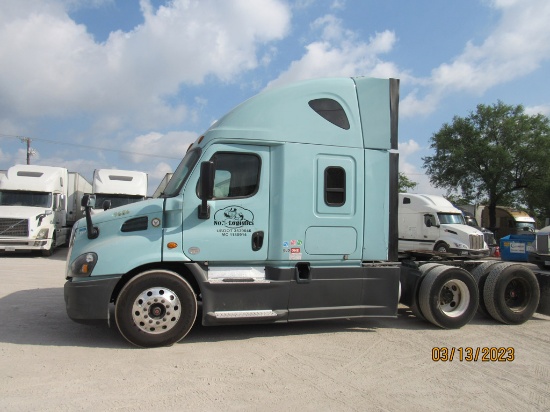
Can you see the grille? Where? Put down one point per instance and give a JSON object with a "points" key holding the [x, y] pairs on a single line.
{"points": [[476, 242], [14, 227], [542, 243]]}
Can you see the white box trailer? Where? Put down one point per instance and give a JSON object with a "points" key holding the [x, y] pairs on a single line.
{"points": [[118, 188], [38, 207]]}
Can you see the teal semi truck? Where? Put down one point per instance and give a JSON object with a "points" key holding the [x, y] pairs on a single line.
{"points": [[284, 210]]}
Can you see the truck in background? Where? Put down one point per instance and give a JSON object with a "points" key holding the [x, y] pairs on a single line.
{"points": [[162, 185], [38, 206], [114, 188], [429, 222], [509, 221], [231, 233], [489, 236], [541, 255]]}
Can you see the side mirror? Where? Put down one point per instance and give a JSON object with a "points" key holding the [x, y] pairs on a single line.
{"points": [[206, 188], [429, 223], [88, 202], [106, 204]]}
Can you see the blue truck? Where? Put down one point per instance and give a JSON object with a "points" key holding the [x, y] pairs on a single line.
{"points": [[284, 210]]}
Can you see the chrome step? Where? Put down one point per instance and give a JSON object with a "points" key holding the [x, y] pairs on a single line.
{"points": [[244, 314]]}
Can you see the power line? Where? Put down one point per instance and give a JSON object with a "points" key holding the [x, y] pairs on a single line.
{"points": [[88, 146]]}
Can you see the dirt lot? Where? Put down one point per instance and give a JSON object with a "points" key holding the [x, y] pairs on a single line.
{"points": [[48, 362]]}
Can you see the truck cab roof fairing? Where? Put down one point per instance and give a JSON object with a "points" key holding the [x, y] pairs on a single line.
{"points": [[285, 114]]}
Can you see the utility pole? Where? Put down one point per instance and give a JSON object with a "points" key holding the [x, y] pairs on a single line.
{"points": [[30, 152]]}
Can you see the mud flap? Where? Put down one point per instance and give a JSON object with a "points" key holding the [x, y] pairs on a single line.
{"points": [[544, 285]]}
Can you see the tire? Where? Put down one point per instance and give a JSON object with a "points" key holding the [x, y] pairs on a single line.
{"points": [[49, 252], [511, 293], [415, 307], [442, 247], [448, 297], [155, 308], [480, 274]]}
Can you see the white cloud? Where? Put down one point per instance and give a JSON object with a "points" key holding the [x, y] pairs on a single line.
{"points": [[517, 46], [160, 170], [4, 158], [151, 146], [541, 109], [408, 150], [339, 52], [51, 66]]}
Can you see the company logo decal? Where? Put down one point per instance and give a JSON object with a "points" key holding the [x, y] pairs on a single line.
{"points": [[234, 217]]}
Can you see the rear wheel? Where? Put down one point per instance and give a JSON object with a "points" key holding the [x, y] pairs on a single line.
{"points": [[511, 293], [480, 274], [156, 308], [448, 297]]}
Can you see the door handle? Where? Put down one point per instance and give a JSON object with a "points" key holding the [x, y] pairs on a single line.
{"points": [[257, 240]]}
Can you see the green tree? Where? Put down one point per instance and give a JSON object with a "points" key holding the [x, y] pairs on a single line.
{"points": [[405, 184], [498, 155]]}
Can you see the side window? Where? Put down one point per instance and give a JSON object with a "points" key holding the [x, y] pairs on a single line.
{"points": [[429, 220], [335, 186], [237, 175]]}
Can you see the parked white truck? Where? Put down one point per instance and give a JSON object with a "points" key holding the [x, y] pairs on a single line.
{"points": [[113, 188], [38, 207], [428, 222]]}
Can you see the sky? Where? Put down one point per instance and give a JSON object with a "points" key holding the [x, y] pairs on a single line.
{"points": [[130, 84]]}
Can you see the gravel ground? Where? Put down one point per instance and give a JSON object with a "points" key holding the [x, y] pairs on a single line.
{"points": [[48, 362]]}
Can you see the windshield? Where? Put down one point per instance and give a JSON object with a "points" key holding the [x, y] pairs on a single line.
{"points": [[525, 227], [20, 198], [116, 200], [181, 174], [451, 218], [471, 221]]}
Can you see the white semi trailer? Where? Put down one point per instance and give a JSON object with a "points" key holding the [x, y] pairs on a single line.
{"points": [[38, 207], [113, 188]]}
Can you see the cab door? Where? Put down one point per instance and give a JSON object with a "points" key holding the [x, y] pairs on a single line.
{"points": [[236, 229]]}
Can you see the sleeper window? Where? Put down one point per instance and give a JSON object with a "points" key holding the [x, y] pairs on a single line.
{"points": [[335, 186]]}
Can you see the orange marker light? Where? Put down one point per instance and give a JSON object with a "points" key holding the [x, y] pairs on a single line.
{"points": [[172, 245]]}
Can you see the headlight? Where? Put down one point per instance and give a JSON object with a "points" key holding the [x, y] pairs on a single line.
{"points": [[83, 265], [43, 234]]}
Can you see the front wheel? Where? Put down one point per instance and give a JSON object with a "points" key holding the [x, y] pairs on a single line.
{"points": [[156, 308], [442, 247], [49, 252]]}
